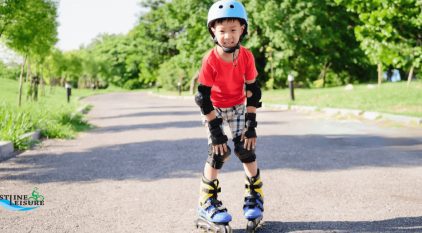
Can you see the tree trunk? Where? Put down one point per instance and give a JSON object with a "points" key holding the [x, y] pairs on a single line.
{"points": [[42, 82], [379, 73], [409, 78], [192, 83], [21, 82], [323, 73], [28, 71], [28, 77], [42, 86]]}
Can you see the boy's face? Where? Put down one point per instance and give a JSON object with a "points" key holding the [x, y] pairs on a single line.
{"points": [[228, 32]]}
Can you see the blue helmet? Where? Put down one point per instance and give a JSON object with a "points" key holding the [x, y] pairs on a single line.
{"points": [[227, 9]]}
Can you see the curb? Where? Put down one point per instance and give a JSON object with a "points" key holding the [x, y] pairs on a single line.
{"points": [[171, 97], [7, 150], [31, 136], [407, 120]]}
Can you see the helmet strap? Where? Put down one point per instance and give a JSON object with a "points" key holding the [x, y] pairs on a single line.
{"points": [[225, 49]]}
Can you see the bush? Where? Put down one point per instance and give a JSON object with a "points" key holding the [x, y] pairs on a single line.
{"points": [[132, 84], [54, 122], [174, 71], [8, 72], [13, 124]]}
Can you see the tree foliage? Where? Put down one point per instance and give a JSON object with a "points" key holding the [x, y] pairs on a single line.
{"points": [[389, 31], [320, 42]]}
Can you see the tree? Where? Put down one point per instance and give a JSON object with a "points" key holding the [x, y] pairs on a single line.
{"points": [[389, 31], [29, 27], [308, 39]]}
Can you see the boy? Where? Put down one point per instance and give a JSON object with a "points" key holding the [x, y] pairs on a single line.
{"points": [[225, 71]]}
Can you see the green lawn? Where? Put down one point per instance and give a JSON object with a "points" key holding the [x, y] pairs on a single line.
{"points": [[51, 113], [394, 98]]}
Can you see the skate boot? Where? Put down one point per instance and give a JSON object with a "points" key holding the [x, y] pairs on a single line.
{"points": [[254, 202], [212, 216]]}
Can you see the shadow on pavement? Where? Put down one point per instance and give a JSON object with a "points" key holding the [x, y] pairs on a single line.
{"points": [[153, 160], [395, 225], [169, 124], [151, 113]]}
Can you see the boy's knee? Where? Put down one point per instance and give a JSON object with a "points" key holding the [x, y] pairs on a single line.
{"points": [[245, 156], [215, 160]]}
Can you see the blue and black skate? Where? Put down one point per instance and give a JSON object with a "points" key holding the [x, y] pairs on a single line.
{"points": [[254, 202], [212, 216]]}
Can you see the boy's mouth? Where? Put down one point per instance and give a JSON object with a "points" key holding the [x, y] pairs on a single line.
{"points": [[229, 45]]}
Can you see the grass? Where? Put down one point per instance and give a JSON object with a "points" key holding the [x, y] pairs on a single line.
{"points": [[393, 98], [51, 113]]}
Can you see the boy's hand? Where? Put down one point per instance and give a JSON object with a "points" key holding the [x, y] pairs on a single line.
{"points": [[249, 136], [249, 143], [220, 149]]}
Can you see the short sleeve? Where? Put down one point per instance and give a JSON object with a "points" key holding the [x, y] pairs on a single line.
{"points": [[206, 74], [251, 72]]}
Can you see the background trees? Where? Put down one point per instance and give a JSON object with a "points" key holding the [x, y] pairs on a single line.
{"points": [[389, 31], [321, 42]]}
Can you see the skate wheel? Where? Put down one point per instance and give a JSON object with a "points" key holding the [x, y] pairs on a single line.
{"points": [[250, 227]]}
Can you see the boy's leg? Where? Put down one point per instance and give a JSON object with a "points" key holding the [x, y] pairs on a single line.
{"points": [[251, 168], [212, 213], [209, 172], [254, 198]]}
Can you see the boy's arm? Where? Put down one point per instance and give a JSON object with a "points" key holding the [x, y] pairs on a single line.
{"points": [[203, 100], [253, 94]]}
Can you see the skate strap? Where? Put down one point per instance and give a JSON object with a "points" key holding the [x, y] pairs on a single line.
{"points": [[214, 192], [253, 186], [252, 202], [217, 207]]}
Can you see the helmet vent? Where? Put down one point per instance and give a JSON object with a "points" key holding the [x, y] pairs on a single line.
{"points": [[231, 6], [221, 6]]}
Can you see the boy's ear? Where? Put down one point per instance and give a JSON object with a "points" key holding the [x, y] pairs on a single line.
{"points": [[213, 29]]}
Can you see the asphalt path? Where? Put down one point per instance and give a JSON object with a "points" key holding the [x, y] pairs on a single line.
{"points": [[139, 170]]}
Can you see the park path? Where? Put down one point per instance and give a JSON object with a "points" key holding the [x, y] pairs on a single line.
{"points": [[139, 171]]}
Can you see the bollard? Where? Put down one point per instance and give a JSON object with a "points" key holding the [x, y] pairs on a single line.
{"points": [[179, 88], [68, 91], [291, 80]]}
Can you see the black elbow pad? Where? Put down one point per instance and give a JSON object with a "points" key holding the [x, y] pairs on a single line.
{"points": [[203, 99], [254, 100]]}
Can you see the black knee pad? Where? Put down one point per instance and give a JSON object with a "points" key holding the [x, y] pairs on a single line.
{"points": [[245, 156], [215, 160]]}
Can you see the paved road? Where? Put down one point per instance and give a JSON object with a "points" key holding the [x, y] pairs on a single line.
{"points": [[139, 171]]}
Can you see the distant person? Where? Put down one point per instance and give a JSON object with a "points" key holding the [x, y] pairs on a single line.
{"points": [[392, 75], [68, 90], [396, 76], [225, 72]]}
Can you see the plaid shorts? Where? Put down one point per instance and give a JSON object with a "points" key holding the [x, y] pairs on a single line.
{"points": [[234, 116]]}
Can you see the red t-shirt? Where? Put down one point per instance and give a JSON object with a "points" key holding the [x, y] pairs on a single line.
{"points": [[226, 79]]}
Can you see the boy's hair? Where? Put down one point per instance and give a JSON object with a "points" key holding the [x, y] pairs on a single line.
{"points": [[221, 20]]}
